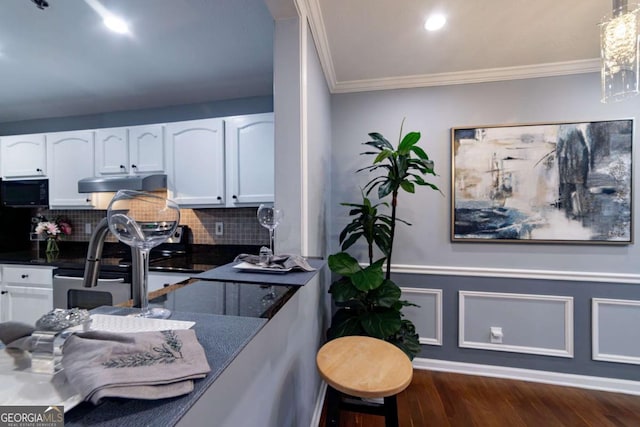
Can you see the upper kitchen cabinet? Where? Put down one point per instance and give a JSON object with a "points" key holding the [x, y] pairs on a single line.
{"points": [[70, 157], [195, 162], [146, 149], [132, 150], [249, 141], [112, 151], [23, 156]]}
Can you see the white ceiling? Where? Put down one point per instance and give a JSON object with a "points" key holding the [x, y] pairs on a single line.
{"points": [[380, 44], [61, 61]]}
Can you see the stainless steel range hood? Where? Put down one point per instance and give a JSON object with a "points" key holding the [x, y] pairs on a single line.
{"points": [[98, 184]]}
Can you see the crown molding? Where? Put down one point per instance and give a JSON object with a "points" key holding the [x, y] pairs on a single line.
{"points": [[316, 23], [471, 76]]}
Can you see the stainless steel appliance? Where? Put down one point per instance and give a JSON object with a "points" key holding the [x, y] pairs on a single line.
{"points": [[114, 284], [25, 193], [69, 292]]}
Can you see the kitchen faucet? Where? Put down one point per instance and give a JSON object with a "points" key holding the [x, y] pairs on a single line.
{"points": [[94, 254]]}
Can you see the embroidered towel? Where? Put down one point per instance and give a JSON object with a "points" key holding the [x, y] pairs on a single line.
{"points": [[295, 262], [142, 365]]}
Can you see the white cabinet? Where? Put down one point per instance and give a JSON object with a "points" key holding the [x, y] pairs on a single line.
{"points": [[23, 156], [70, 157], [112, 151], [27, 293], [132, 150], [221, 162], [249, 142], [195, 163], [146, 149]]}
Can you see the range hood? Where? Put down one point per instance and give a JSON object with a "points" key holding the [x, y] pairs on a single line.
{"points": [[98, 184]]}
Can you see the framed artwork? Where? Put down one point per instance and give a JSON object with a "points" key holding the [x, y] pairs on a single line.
{"points": [[544, 183]]}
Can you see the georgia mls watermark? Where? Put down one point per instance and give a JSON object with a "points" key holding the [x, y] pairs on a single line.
{"points": [[32, 416]]}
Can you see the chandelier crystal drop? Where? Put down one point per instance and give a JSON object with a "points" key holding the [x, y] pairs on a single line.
{"points": [[619, 53]]}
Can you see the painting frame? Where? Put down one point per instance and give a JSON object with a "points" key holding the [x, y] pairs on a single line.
{"points": [[548, 182]]}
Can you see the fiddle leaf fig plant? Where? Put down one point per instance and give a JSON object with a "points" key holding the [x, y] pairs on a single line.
{"points": [[368, 301]]}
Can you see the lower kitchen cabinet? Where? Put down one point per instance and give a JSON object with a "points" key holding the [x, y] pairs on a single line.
{"points": [[159, 280], [26, 293]]}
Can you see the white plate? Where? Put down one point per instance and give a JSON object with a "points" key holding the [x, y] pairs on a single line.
{"points": [[22, 387], [245, 266]]}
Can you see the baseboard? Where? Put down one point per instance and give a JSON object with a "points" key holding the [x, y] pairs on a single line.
{"points": [[546, 377], [317, 411]]}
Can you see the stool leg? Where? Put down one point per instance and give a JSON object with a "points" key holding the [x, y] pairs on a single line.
{"points": [[333, 407], [391, 411]]}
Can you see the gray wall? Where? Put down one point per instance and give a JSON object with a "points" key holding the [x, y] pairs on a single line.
{"points": [[229, 107], [426, 246], [433, 112]]}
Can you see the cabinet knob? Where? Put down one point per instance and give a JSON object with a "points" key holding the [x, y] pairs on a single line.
{"points": [[4, 292], [134, 166], [87, 200], [24, 276], [38, 170], [235, 197], [123, 167], [219, 198]]}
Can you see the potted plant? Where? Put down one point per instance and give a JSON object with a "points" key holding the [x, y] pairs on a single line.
{"points": [[368, 300]]}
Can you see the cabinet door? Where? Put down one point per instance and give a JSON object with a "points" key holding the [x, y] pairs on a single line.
{"points": [[250, 159], [27, 304], [112, 151], [23, 156], [146, 149], [195, 160], [70, 157]]}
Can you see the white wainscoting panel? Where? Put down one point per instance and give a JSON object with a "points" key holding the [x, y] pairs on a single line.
{"points": [[616, 332], [428, 317], [534, 324]]}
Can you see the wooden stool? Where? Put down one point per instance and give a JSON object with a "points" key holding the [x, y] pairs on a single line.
{"points": [[363, 367]]}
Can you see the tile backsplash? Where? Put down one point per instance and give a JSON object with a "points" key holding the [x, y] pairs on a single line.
{"points": [[240, 226]]}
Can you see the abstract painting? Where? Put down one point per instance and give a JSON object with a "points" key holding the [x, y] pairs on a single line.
{"points": [[545, 183]]}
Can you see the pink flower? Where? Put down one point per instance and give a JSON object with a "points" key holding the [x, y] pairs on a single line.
{"points": [[65, 228]]}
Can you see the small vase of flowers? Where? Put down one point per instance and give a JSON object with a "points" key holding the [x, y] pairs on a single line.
{"points": [[52, 230]]}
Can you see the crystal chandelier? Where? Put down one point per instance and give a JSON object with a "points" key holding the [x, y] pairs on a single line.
{"points": [[619, 52]]}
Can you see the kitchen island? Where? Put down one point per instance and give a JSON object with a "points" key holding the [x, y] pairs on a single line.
{"points": [[263, 370]]}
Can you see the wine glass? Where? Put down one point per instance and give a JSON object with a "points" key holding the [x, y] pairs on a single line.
{"points": [[269, 217], [128, 216]]}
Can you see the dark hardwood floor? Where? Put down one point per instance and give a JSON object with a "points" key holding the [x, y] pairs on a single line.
{"points": [[444, 399]]}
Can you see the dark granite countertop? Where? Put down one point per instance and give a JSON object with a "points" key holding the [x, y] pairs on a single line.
{"points": [[222, 337], [228, 273], [72, 255]]}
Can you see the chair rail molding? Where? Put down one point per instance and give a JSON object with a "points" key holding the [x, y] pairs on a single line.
{"points": [[513, 273]]}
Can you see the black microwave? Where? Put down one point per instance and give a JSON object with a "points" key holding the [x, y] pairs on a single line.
{"points": [[25, 193]]}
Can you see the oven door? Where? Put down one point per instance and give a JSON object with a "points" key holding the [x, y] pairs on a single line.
{"points": [[69, 292]]}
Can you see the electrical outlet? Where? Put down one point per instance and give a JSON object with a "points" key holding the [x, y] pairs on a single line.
{"points": [[219, 228], [496, 334]]}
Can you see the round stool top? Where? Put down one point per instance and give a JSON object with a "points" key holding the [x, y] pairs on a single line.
{"points": [[364, 366]]}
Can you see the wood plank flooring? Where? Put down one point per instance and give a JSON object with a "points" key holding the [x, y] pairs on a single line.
{"points": [[441, 399]]}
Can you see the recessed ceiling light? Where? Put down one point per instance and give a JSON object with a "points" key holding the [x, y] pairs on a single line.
{"points": [[435, 22], [116, 24]]}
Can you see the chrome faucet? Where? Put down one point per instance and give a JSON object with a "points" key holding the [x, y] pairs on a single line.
{"points": [[94, 254]]}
